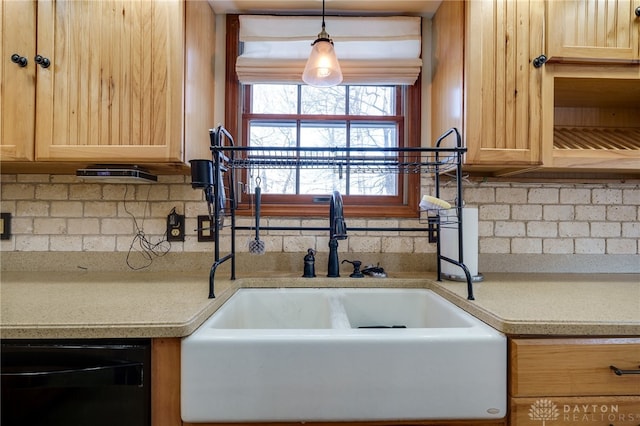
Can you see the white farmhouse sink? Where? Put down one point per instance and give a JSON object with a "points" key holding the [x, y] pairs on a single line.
{"points": [[298, 355]]}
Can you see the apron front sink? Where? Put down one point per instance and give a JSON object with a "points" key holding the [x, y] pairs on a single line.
{"points": [[342, 354]]}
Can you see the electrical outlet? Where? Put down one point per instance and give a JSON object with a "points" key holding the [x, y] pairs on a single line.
{"points": [[206, 229], [5, 226], [175, 226]]}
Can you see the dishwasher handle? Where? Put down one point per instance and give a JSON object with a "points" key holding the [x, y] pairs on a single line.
{"points": [[101, 373]]}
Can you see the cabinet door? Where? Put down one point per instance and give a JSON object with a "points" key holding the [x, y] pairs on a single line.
{"points": [[593, 30], [114, 90], [17, 83], [503, 89], [574, 367]]}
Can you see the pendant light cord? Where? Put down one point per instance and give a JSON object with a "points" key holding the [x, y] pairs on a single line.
{"points": [[323, 16]]}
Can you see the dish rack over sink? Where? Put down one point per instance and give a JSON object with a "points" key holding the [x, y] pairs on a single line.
{"points": [[227, 158]]}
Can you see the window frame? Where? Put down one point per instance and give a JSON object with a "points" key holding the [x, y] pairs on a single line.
{"points": [[406, 203]]}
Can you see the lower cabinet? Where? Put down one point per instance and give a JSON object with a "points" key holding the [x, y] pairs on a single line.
{"points": [[586, 381]]}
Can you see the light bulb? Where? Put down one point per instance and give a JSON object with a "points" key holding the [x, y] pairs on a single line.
{"points": [[322, 69]]}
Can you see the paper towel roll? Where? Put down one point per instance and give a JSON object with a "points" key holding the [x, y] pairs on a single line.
{"points": [[449, 242]]}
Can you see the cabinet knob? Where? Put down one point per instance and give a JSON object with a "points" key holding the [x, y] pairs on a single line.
{"points": [[539, 61], [638, 11], [20, 60], [42, 61]]}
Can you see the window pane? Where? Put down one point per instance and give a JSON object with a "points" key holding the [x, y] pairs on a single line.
{"points": [[322, 134], [274, 99], [372, 100], [321, 181], [373, 135], [373, 184], [266, 133], [269, 134], [326, 101], [350, 178]]}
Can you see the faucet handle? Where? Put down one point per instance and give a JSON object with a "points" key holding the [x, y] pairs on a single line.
{"points": [[356, 268]]}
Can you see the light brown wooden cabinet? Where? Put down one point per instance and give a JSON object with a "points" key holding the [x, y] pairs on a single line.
{"points": [[586, 30], [570, 381], [520, 115], [484, 82], [591, 117], [17, 80], [128, 82]]}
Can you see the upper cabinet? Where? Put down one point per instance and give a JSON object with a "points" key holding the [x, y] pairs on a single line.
{"points": [[484, 82], [593, 30], [17, 80], [113, 81], [529, 99]]}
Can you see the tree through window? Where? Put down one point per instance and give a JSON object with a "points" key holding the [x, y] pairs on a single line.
{"points": [[343, 117]]}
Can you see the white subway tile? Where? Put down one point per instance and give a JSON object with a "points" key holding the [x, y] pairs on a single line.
{"points": [[52, 226], [605, 229], [17, 191], [397, 244], [558, 212], [631, 230], [511, 195], [606, 196], [495, 245], [591, 212], [526, 245], [52, 192], [621, 246], [573, 229], [557, 246], [65, 243], [32, 242], [590, 245], [99, 243], [32, 208], [575, 196], [510, 229], [111, 226], [526, 212], [621, 213], [542, 229], [543, 195]]}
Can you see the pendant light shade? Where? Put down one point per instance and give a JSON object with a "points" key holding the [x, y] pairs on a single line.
{"points": [[322, 69]]}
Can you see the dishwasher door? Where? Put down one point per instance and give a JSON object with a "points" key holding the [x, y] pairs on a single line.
{"points": [[79, 382]]}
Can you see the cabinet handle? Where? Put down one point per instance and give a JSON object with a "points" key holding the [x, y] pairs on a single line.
{"points": [[638, 11], [20, 60], [621, 372], [539, 61], [42, 61]]}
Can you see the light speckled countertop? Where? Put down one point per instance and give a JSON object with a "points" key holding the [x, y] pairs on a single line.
{"points": [[161, 304]]}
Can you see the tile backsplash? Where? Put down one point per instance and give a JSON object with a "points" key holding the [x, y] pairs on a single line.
{"points": [[58, 213]]}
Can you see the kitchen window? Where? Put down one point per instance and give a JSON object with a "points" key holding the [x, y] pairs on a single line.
{"points": [[297, 115]]}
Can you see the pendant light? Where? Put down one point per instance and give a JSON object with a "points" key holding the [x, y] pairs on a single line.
{"points": [[322, 69]]}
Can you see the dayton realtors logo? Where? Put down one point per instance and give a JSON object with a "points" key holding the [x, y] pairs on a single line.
{"points": [[545, 410]]}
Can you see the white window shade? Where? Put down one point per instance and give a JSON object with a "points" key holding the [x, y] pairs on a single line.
{"points": [[371, 50]]}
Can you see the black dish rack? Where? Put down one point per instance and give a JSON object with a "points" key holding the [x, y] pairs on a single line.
{"points": [[227, 158]]}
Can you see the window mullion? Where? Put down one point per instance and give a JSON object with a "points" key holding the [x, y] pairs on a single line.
{"points": [[298, 137]]}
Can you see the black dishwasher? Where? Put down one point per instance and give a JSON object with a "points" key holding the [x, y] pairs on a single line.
{"points": [[76, 382]]}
